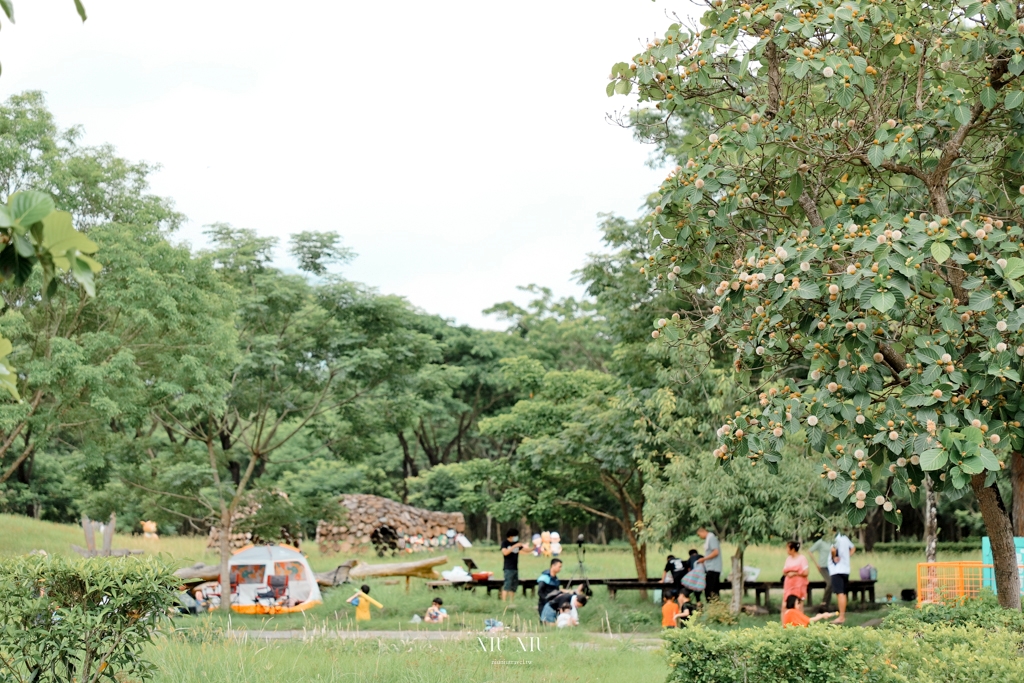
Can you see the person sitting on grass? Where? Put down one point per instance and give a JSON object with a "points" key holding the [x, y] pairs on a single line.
{"points": [[794, 614], [435, 613], [565, 617], [362, 601]]}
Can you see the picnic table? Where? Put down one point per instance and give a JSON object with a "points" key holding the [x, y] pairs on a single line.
{"points": [[526, 585], [863, 591], [762, 589]]}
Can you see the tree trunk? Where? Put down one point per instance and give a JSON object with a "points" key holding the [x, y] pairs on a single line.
{"points": [[639, 559], [225, 556], [1000, 534], [736, 579], [1017, 503], [931, 520]]}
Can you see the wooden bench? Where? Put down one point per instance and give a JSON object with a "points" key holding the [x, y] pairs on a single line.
{"points": [[616, 585], [864, 591]]}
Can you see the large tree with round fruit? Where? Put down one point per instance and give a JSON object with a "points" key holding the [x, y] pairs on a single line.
{"points": [[846, 218]]}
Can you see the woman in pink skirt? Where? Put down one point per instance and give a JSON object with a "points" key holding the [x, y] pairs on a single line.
{"points": [[794, 573]]}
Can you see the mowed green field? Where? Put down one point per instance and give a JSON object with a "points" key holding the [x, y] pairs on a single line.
{"points": [[556, 657], [469, 609]]}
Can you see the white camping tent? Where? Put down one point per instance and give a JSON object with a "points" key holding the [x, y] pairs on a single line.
{"points": [[270, 579]]}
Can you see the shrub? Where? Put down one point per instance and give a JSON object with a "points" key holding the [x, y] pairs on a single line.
{"points": [[79, 620], [916, 547], [717, 612], [983, 613], [826, 654], [638, 618]]}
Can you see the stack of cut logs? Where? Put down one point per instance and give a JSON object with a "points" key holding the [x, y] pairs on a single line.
{"points": [[414, 528], [238, 539]]}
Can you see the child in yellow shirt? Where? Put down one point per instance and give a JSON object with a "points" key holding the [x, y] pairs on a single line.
{"points": [[362, 602]]}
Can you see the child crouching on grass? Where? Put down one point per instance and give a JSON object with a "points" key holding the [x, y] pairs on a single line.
{"points": [[794, 614], [435, 613], [362, 601]]}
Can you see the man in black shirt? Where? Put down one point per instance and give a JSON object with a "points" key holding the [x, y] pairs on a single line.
{"points": [[675, 570], [510, 548], [562, 601]]}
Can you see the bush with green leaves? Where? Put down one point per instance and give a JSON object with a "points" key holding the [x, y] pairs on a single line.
{"points": [[825, 654], [79, 620], [983, 613], [917, 547]]}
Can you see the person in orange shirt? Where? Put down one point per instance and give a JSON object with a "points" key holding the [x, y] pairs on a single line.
{"points": [[669, 609], [794, 614]]}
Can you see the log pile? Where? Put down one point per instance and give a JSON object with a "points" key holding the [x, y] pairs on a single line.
{"points": [[238, 539], [353, 570], [388, 525]]}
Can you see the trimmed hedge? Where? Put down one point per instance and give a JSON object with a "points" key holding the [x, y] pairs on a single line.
{"points": [[914, 547], [927, 653]]}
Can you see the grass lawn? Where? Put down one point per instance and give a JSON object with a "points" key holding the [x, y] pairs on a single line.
{"points": [[561, 657], [626, 614]]}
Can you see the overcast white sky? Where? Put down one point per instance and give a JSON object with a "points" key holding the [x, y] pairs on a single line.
{"points": [[460, 147]]}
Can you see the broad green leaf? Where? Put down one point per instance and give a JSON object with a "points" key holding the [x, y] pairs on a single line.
{"points": [[808, 290], [989, 97], [1014, 99], [81, 9], [883, 301], [59, 236], [82, 273], [981, 300], [972, 465], [989, 459], [934, 459], [9, 380], [940, 251], [1014, 268], [974, 435], [8, 8], [876, 155], [623, 87], [855, 515], [796, 185], [894, 517], [29, 207]]}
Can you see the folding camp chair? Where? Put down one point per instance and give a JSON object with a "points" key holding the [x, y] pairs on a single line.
{"points": [[276, 591]]}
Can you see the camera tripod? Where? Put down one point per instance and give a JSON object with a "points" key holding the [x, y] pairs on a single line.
{"points": [[579, 574]]}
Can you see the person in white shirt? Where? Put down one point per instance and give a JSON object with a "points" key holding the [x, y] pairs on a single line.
{"points": [[839, 571], [712, 562]]}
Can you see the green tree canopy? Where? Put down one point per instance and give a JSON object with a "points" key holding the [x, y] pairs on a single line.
{"points": [[846, 217]]}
